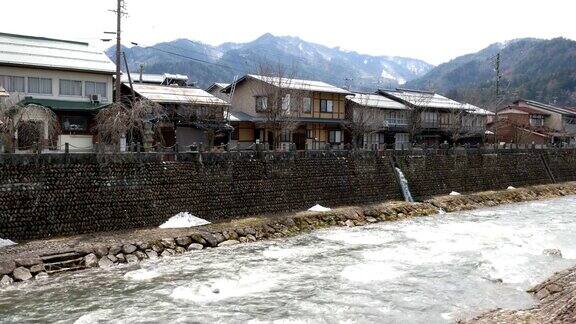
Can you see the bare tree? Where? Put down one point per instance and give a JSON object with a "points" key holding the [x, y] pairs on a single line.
{"points": [[119, 120], [422, 116], [207, 116], [23, 126], [364, 118], [279, 98]]}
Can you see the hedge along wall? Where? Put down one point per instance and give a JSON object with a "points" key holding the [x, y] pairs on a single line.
{"points": [[53, 195], [43, 196]]}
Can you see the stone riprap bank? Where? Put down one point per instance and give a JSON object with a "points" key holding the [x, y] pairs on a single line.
{"points": [[52, 195]]}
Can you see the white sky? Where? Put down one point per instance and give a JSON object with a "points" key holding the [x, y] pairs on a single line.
{"points": [[433, 30]]}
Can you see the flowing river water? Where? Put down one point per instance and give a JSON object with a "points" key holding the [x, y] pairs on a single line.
{"points": [[423, 270]]}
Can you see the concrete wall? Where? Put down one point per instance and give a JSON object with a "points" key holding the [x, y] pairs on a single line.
{"points": [[55, 194]]}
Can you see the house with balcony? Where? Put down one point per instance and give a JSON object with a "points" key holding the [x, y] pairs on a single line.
{"points": [[70, 78], [436, 119], [374, 120], [528, 121], [281, 111]]}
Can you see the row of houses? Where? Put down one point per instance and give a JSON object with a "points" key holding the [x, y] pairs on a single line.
{"points": [[75, 82], [328, 116]]}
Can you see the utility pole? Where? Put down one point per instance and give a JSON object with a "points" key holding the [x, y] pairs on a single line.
{"points": [[497, 92], [347, 83], [497, 75], [118, 49]]}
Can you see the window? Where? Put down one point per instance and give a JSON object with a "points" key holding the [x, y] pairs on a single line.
{"points": [[286, 102], [536, 120], [95, 88], [306, 104], [401, 140], [74, 123], [310, 133], [396, 118], [447, 119], [261, 103], [326, 105], [40, 85], [286, 136], [381, 138], [429, 118], [13, 83], [335, 137], [70, 88]]}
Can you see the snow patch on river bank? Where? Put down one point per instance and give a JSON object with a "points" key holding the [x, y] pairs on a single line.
{"points": [[184, 220], [4, 242], [319, 208]]}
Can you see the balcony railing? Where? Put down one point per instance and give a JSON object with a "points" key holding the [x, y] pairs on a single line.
{"points": [[430, 124], [395, 122]]}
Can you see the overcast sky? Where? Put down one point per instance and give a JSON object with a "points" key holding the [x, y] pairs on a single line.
{"points": [[435, 31]]}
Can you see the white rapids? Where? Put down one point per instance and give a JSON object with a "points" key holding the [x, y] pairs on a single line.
{"points": [[435, 269]]}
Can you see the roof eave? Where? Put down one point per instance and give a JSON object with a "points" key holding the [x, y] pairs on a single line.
{"points": [[57, 68]]}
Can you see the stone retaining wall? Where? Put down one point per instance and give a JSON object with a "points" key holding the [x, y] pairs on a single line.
{"points": [[431, 175], [35, 259], [57, 195]]}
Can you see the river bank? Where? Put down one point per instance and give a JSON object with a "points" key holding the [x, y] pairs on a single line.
{"points": [[556, 303], [38, 259], [433, 269]]}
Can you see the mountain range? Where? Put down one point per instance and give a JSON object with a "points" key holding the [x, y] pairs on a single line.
{"points": [[537, 69], [205, 64]]}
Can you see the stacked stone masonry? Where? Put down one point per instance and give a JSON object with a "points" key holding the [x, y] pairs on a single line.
{"points": [[56, 195], [37, 259]]}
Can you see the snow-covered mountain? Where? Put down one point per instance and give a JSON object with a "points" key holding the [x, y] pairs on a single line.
{"points": [[308, 60]]}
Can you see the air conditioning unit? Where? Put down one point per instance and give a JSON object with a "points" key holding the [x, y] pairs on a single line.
{"points": [[95, 98]]}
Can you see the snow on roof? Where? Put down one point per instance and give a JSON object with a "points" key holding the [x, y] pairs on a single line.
{"points": [[174, 94], [547, 107], [477, 110], [423, 99], [53, 54], [295, 84], [219, 85], [376, 101], [238, 116], [298, 84], [153, 78], [512, 111]]}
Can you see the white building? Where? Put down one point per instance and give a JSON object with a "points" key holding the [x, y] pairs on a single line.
{"points": [[71, 78]]}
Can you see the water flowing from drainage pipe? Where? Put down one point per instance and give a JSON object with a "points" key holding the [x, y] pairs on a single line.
{"points": [[404, 185]]}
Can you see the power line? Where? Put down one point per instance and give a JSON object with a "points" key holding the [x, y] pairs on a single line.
{"points": [[195, 59]]}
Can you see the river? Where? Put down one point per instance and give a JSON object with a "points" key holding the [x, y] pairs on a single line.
{"points": [[424, 270]]}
